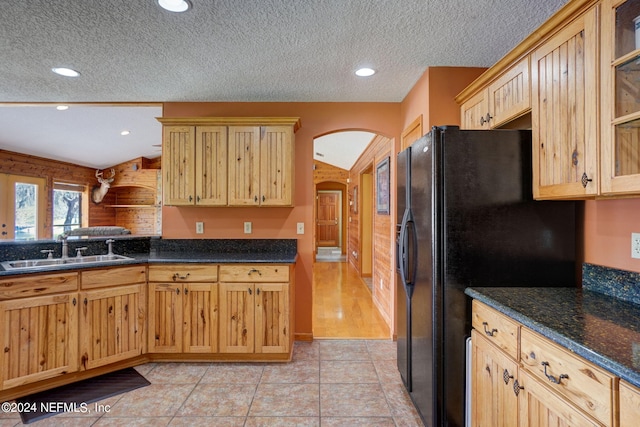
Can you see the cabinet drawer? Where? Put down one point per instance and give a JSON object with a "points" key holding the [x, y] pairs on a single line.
{"points": [[586, 386], [113, 276], [496, 327], [254, 273], [32, 285], [183, 273]]}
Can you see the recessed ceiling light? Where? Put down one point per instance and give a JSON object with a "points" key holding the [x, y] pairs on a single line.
{"points": [[365, 72], [175, 5], [125, 133], [67, 72], [62, 107]]}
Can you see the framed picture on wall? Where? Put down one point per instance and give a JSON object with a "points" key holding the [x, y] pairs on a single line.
{"points": [[382, 187]]}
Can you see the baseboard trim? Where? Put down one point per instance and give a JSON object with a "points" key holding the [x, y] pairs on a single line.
{"points": [[307, 336]]}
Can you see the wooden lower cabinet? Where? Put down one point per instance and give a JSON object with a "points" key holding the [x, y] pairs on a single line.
{"points": [[494, 401], [255, 308], [544, 385], [254, 318], [112, 325], [183, 317], [39, 336], [629, 405], [540, 407]]}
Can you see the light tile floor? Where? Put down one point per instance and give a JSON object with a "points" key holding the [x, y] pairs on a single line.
{"points": [[328, 383]]}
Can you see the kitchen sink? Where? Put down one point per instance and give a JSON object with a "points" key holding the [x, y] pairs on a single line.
{"points": [[47, 262]]}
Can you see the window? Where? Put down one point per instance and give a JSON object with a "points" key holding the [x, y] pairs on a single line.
{"points": [[67, 207], [22, 207]]}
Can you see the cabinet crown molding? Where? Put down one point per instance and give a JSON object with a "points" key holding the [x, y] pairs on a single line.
{"points": [[231, 121]]}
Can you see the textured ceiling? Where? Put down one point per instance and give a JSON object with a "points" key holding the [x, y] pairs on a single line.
{"points": [[248, 50]]}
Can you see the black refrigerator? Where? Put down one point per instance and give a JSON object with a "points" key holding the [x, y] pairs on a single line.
{"points": [[468, 219]]}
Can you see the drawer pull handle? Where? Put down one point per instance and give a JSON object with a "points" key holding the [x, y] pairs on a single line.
{"points": [[551, 377], [177, 276], [489, 333], [517, 387], [506, 377], [253, 270]]}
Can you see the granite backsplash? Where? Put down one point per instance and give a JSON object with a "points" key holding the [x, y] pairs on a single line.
{"points": [[621, 284], [15, 250]]}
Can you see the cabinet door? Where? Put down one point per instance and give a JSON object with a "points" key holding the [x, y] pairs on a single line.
{"points": [[276, 166], [620, 145], [494, 401], [237, 306], [244, 165], [200, 322], [211, 166], [165, 317], [509, 94], [564, 73], [178, 154], [111, 325], [540, 407], [475, 112], [272, 318], [629, 405], [40, 338]]}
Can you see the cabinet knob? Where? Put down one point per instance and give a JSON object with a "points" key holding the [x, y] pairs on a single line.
{"points": [[517, 387], [585, 180], [506, 377], [486, 120]]}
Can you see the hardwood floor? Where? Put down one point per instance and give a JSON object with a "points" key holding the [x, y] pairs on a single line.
{"points": [[342, 304]]}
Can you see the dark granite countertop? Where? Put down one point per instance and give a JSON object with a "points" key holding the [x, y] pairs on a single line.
{"points": [[600, 328]]}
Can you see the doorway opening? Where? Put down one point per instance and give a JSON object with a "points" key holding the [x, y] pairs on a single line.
{"points": [[329, 223]]}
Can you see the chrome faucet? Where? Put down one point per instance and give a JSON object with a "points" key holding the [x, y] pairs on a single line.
{"points": [[65, 248], [110, 243]]}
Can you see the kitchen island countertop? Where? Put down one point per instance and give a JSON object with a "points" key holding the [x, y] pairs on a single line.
{"points": [[600, 328]]}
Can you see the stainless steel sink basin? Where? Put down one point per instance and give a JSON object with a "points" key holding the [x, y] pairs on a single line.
{"points": [[48, 263]]}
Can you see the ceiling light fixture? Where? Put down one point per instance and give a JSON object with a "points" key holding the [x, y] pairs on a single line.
{"points": [[125, 133], [365, 72], [67, 72], [62, 107], [175, 5]]}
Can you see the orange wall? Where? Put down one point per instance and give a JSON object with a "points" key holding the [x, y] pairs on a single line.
{"points": [[608, 225], [433, 96], [317, 119]]}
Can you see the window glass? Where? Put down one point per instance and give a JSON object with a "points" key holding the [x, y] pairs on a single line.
{"points": [[67, 208], [26, 211]]}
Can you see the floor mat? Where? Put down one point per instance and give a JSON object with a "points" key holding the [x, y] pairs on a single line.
{"points": [[76, 397]]}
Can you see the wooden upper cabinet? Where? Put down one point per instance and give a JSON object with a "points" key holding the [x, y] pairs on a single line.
{"points": [[227, 161], [505, 99], [564, 75], [211, 166], [620, 91], [244, 165], [276, 166], [178, 151]]}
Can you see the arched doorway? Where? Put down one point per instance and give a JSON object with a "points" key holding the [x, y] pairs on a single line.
{"points": [[346, 305]]}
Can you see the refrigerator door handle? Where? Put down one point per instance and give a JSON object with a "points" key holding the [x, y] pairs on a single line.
{"points": [[402, 248], [412, 246]]}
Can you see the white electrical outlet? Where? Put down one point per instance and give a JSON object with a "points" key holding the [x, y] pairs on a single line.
{"points": [[247, 228], [199, 227], [300, 229], [635, 245]]}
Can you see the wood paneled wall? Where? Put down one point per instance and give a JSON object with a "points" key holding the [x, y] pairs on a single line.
{"points": [[131, 186], [383, 237], [52, 170]]}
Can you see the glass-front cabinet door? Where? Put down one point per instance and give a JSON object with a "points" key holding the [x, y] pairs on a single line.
{"points": [[620, 92]]}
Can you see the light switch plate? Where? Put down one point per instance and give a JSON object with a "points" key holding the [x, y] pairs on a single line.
{"points": [[199, 227], [635, 245], [247, 228], [300, 228]]}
